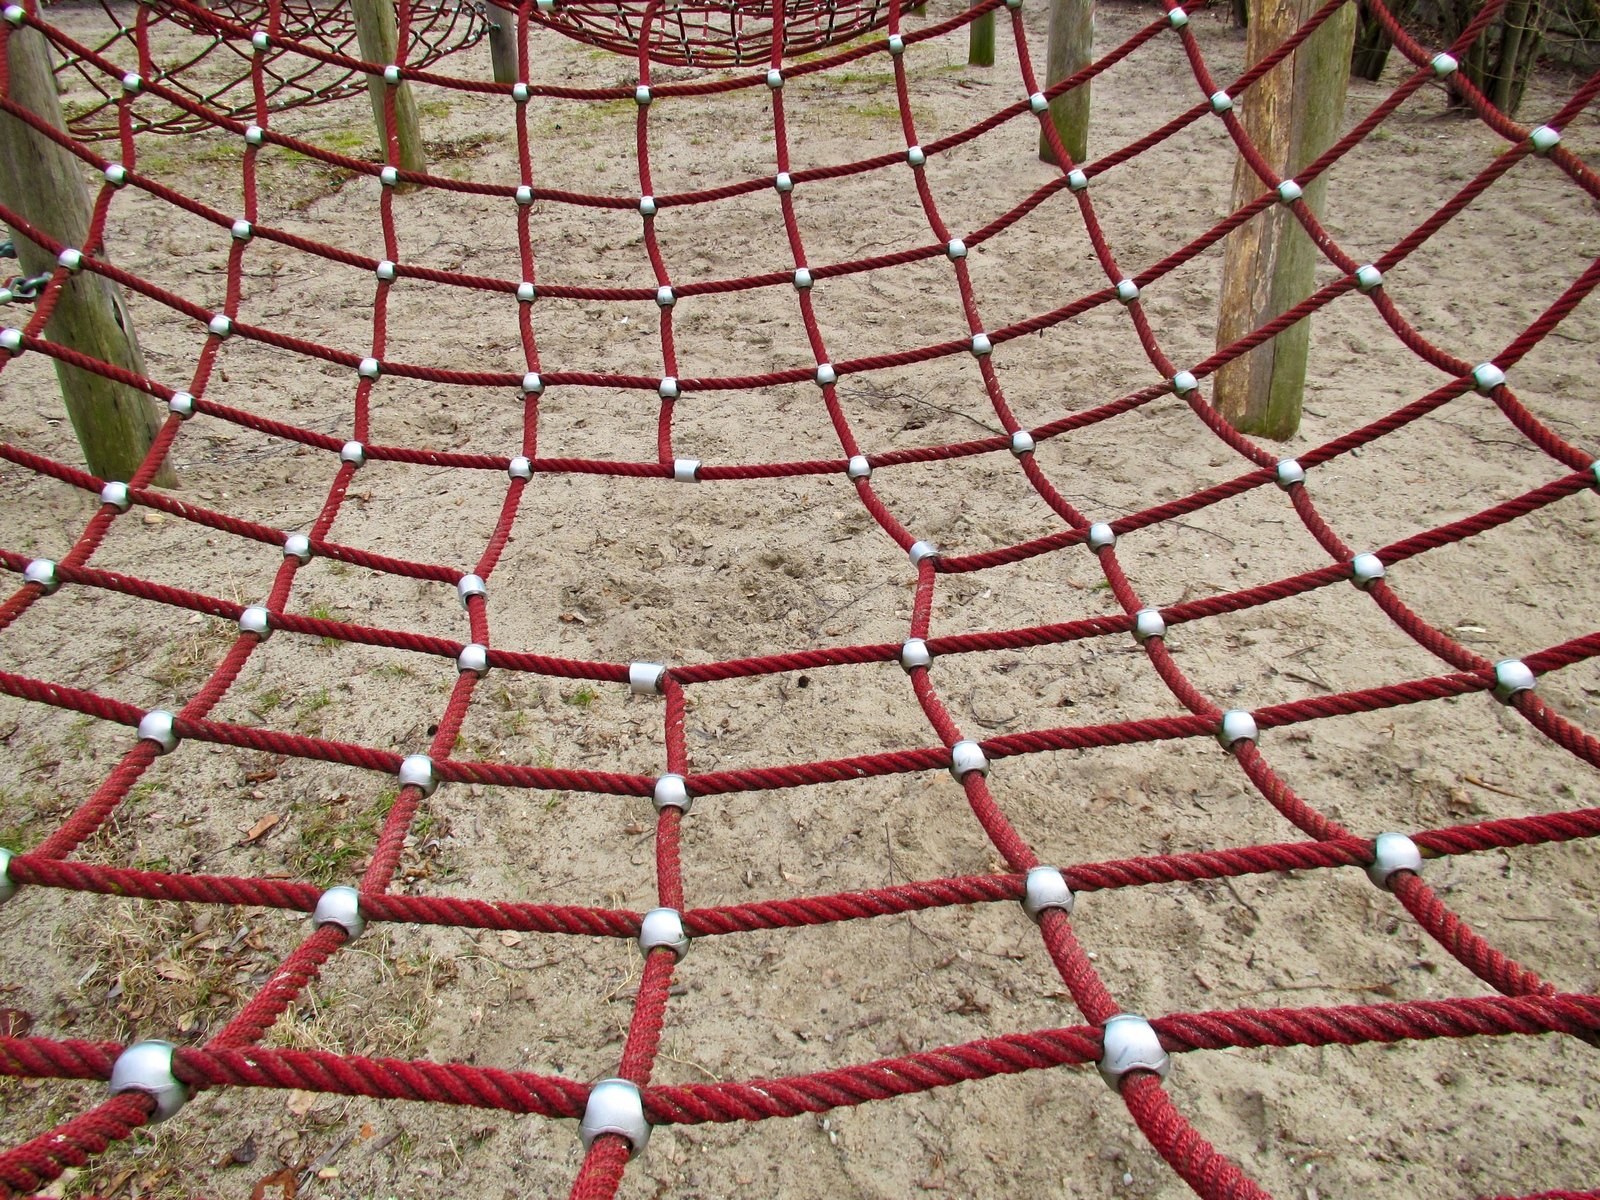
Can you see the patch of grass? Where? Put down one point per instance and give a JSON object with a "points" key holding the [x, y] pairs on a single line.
{"points": [[76, 740], [388, 1018], [40, 759], [159, 969], [324, 612], [193, 656], [139, 797], [217, 153], [590, 116], [150, 969], [352, 143], [265, 701], [869, 78], [335, 833], [21, 822], [305, 713], [71, 109], [444, 149], [582, 698]]}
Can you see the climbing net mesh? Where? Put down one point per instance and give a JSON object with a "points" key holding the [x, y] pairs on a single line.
{"points": [[234, 70], [967, 768]]}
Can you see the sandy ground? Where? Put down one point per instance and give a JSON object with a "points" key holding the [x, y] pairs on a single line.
{"points": [[629, 570]]}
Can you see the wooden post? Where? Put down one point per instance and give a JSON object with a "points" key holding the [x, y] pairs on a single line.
{"points": [[980, 46], [502, 42], [1292, 114], [1071, 50], [1372, 43], [41, 183], [380, 41]]}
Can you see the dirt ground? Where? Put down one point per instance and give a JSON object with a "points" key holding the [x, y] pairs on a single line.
{"points": [[623, 570]]}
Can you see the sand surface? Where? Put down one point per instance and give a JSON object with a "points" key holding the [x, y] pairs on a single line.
{"points": [[621, 570]]}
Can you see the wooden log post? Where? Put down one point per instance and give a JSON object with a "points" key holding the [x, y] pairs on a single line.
{"points": [[379, 38], [41, 183], [1071, 50], [980, 45], [1292, 115], [1372, 45], [502, 43]]}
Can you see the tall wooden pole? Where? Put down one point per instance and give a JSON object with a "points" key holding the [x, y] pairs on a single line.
{"points": [[502, 43], [379, 38], [1292, 114], [40, 182], [1071, 50], [980, 45]]}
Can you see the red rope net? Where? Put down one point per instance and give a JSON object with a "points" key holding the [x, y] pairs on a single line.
{"points": [[336, 434], [187, 53], [709, 33]]}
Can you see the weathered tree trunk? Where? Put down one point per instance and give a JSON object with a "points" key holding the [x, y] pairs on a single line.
{"points": [[502, 43], [1371, 53], [1503, 57], [40, 182], [379, 38], [1521, 32], [1071, 50], [1292, 114]]}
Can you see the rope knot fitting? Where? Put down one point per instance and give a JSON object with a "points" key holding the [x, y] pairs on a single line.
{"points": [[663, 928], [1366, 570], [968, 758], [1130, 1043], [615, 1106], [644, 678], [1392, 852], [672, 791], [1511, 675], [1046, 888], [147, 1067], [341, 906]]}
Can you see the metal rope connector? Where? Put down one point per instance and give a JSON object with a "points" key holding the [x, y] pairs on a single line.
{"points": [[23, 289]]}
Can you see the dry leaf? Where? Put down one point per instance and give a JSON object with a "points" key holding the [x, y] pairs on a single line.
{"points": [[299, 1102], [241, 1155], [510, 937], [260, 827], [174, 972], [14, 1022], [283, 1180]]}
